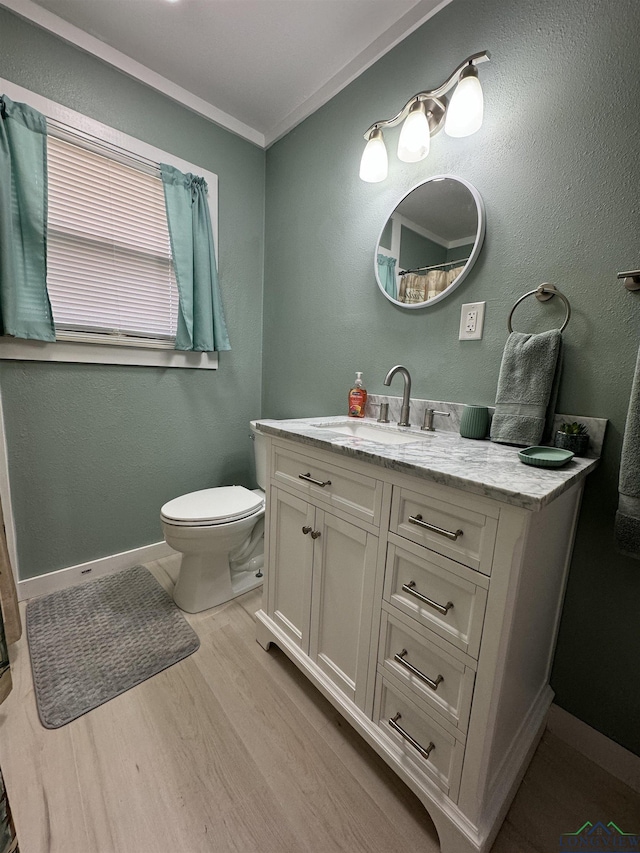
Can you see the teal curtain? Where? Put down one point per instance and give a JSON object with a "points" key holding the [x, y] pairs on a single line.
{"points": [[25, 310], [201, 323], [387, 274]]}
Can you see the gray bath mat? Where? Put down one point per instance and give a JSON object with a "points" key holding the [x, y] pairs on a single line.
{"points": [[92, 642]]}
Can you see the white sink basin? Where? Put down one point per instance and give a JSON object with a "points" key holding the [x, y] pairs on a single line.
{"points": [[370, 432]]}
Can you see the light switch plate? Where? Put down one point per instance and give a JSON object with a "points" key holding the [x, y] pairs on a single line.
{"points": [[472, 321]]}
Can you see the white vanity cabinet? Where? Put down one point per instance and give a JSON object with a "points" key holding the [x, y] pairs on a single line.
{"points": [[320, 592], [427, 615]]}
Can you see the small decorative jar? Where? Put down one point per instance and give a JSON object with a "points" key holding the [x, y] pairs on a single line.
{"points": [[474, 422]]}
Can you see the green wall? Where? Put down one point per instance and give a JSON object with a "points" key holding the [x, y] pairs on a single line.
{"points": [[94, 451], [418, 251], [385, 237], [460, 253], [557, 163]]}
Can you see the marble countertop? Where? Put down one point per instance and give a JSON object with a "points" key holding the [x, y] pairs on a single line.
{"points": [[479, 467]]}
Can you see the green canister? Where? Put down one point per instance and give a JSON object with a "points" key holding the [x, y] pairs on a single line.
{"points": [[474, 422]]}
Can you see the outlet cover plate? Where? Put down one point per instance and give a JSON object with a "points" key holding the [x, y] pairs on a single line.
{"points": [[472, 321]]}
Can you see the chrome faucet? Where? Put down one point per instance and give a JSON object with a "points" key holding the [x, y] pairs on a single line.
{"points": [[406, 396]]}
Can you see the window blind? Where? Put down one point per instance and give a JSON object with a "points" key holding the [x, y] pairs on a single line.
{"points": [[110, 273]]}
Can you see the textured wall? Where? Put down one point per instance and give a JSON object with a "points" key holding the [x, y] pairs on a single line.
{"points": [[94, 451], [557, 163], [417, 251]]}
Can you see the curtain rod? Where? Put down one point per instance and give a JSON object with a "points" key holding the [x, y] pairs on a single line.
{"points": [[435, 266], [63, 131]]}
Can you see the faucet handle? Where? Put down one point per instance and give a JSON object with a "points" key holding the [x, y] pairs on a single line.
{"points": [[428, 419], [384, 413]]}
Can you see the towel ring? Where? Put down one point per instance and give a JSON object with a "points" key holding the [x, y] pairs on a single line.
{"points": [[542, 294]]}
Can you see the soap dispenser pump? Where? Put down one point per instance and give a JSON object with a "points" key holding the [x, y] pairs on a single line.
{"points": [[357, 398]]}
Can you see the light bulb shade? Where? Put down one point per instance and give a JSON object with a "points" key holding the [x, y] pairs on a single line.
{"points": [[415, 135], [374, 165], [465, 112]]}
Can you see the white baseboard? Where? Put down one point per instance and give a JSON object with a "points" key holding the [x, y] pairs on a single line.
{"points": [[612, 757], [73, 575]]}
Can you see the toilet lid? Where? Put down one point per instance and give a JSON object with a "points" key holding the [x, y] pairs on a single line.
{"points": [[212, 506]]}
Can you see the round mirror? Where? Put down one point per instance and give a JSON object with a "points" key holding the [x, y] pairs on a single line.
{"points": [[430, 242]]}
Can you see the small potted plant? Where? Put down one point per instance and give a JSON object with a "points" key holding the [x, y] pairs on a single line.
{"points": [[573, 437]]}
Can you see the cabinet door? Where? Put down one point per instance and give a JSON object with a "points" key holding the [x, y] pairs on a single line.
{"points": [[344, 566], [290, 563]]}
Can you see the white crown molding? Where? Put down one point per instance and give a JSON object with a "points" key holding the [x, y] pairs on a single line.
{"points": [[404, 26], [423, 232], [414, 18], [77, 37]]}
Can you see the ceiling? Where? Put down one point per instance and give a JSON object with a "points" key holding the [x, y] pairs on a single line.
{"points": [[258, 67], [443, 207]]}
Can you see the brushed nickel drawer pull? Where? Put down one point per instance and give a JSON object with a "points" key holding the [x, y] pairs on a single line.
{"points": [[425, 753], [415, 671], [315, 534], [306, 529], [417, 519], [441, 608], [310, 479]]}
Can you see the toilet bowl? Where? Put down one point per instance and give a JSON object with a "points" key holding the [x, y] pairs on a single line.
{"points": [[220, 534]]}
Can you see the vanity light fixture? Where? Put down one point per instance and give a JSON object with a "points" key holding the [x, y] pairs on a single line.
{"points": [[466, 108], [424, 115], [375, 162], [415, 136]]}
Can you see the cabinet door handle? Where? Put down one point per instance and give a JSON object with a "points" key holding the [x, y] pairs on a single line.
{"points": [[415, 671], [425, 753], [315, 534], [441, 608], [417, 519], [306, 529], [309, 479]]}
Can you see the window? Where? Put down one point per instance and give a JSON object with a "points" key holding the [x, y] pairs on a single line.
{"points": [[109, 266], [110, 274]]}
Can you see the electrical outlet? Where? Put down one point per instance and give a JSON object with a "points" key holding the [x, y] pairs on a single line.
{"points": [[472, 321]]}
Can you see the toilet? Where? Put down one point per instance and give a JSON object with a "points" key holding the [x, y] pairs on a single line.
{"points": [[220, 534]]}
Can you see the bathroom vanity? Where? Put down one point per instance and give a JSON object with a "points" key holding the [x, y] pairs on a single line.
{"points": [[417, 580]]}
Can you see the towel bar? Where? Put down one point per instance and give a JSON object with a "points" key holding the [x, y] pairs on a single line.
{"points": [[631, 279], [542, 294]]}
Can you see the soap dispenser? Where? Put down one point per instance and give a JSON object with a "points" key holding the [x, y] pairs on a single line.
{"points": [[357, 398]]}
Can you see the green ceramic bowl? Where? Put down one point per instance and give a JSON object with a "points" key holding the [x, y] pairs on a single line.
{"points": [[545, 457]]}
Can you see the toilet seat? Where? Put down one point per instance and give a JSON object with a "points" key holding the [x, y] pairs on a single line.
{"points": [[212, 506]]}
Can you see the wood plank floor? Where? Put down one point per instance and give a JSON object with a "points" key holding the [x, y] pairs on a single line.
{"points": [[233, 751]]}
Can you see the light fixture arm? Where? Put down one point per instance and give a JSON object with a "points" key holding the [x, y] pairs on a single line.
{"points": [[434, 94]]}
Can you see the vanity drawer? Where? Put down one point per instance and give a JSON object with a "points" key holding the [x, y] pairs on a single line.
{"points": [[438, 593], [422, 744], [434, 675], [461, 533], [341, 488]]}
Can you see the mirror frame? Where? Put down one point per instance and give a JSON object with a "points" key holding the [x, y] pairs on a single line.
{"points": [[477, 246]]}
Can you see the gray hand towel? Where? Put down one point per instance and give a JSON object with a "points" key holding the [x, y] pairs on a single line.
{"points": [[627, 524], [527, 388]]}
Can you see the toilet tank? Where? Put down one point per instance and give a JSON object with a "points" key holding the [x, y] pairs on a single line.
{"points": [[260, 455]]}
